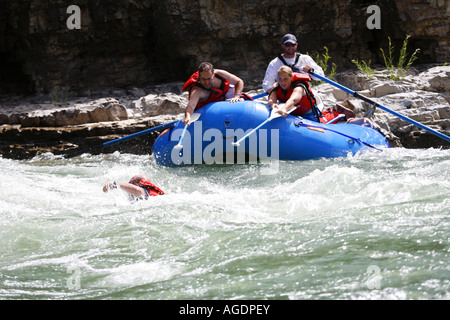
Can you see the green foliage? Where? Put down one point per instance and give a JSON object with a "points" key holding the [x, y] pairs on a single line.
{"points": [[59, 98], [394, 72], [365, 68], [323, 61], [403, 65]]}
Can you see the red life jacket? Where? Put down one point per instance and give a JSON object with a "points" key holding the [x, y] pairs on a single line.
{"points": [[331, 114], [306, 102], [151, 188], [215, 94]]}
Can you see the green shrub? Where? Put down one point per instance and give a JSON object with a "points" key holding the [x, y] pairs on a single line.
{"points": [[365, 68], [403, 65], [393, 72], [59, 98], [323, 61]]}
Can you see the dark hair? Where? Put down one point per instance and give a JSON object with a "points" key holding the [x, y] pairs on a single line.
{"points": [[205, 66]]}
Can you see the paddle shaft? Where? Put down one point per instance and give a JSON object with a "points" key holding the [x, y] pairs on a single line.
{"points": [[194, 117], [131, 136], [245, 136], [179, 144], [271, 117], [140, 133], [260, 95], [395, 113]]}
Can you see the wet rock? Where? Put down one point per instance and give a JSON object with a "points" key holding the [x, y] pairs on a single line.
{"points": [[166, 103]]}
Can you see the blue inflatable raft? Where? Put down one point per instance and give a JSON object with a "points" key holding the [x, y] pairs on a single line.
{"points": [[210, 138]]}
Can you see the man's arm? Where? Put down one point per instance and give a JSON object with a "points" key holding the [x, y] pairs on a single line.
{"points": [[234, 80], [128, 187], [193, 101], [271, 76], [308, 63]]}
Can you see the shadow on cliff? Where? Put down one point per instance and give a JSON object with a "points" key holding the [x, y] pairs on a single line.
{"points": [[127, 43]]}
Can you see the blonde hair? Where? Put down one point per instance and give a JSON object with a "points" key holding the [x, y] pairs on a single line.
{"points": [[286, 69]]}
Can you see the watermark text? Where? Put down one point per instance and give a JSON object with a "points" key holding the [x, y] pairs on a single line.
{"points": [[374, 21], [74, 21]]}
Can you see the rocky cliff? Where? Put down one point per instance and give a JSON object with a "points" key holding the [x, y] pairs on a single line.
{"points": [[101, 80], [123, 43]]}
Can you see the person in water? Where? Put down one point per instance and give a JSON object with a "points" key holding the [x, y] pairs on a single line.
{"points": [[139, 187], [209, 85]]}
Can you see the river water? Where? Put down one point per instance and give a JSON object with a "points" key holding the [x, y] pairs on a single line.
{"points": [[372, 226]]}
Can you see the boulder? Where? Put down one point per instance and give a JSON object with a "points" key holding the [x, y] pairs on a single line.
{"points": [[166, 103], [48, 115]]}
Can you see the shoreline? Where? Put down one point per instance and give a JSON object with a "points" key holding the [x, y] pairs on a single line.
{"points": [[34, 124]]}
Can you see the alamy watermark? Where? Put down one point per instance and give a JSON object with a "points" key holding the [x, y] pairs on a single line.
{"points": [[211, 146], [74, 21], [74, 280], [374, 280], [374, 21]]}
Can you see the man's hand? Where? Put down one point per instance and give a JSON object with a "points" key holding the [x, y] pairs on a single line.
{"points": [[187, 118], [307, 69], [109, 185], [236, 98]]}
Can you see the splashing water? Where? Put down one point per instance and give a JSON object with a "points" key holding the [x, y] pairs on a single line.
{"points": [[373, 226]]}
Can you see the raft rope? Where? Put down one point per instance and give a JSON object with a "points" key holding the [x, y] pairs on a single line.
{"points": [[300, 123]]}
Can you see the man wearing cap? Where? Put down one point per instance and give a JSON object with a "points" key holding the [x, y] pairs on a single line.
{"points": [[298, 62]]}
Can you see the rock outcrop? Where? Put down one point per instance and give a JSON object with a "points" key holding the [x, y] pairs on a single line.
{"points": [[28, 128]]}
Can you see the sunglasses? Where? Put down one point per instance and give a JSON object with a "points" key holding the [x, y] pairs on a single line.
{"points": [[208, 79], [290, 44]]}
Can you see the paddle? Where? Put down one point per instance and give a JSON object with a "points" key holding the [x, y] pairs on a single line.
{"points": [[194, 117], [359, 96], [260, 95], [272, 116], [131, 136]]}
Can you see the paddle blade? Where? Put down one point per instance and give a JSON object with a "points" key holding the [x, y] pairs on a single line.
{"points": [[195, 116], [274, 115], [291, 109]]}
